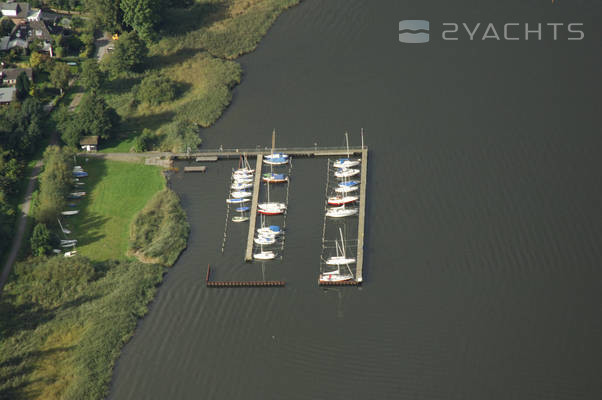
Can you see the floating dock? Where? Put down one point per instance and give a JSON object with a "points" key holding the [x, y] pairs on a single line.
{"points": [[229, 284], [201, 168], [341, 283], [206, 159], [253, 215], [362, 217]]}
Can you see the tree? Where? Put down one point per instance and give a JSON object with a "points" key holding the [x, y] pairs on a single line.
{"points": [[60, 76], [143, 16], [36, 59], [180, 136], [55, 181], [129, 54], [22, 86], [155, 89], [6, 26], [91, 76], [106, 13], [95, 117], [40, 240]]}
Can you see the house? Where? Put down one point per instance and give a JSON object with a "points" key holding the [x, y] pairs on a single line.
{"points": [[22, 35], [17, 12], [7, 95], [9, 76], [89, 143]]}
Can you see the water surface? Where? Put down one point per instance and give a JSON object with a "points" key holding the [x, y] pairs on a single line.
{"points": [[482, 262]]}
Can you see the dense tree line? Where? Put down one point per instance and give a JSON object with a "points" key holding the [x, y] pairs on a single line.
{"points": [[55, 182], [20, 130]]}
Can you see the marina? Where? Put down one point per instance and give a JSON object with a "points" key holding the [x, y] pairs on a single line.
{"points": [[349, 199]]}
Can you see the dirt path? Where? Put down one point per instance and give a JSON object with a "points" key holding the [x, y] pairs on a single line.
{"points": [[22, 223]]}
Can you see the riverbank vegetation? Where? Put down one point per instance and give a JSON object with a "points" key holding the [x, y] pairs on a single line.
{"points": [[194, 47], [159, 232], [64, 321]]}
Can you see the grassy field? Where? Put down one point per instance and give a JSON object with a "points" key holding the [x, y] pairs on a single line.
{"points": [[116, 191], [196, 49]]}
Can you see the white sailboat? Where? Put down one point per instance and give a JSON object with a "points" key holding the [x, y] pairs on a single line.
{"points": [[340, 212], [340, 258], [346, 162], [241, 194], [346, 172], [264, 255]]}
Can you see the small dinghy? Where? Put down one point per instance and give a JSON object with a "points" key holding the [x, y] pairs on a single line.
{"points": [[71, 253], [240, 218], [80, 174], [71, 212], [243, 209]]}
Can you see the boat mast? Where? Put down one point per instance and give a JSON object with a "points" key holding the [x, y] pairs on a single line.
{"points": [[347, 144]]}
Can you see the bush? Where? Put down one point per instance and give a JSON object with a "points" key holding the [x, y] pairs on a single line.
{"points": [[40, 240], [180, 136], [145, 142], [155, 89], [159, 232]]}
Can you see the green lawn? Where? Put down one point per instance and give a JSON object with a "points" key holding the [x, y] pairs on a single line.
{"points": [[116, 191]]}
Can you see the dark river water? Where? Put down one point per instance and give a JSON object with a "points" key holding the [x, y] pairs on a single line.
{"points": [[483, 271]]}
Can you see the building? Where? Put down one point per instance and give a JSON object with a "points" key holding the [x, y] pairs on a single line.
{"points": [[8, 76], [7, 95], [89, 143], [18, 12]]}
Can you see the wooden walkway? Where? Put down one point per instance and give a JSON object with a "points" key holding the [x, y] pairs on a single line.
{"points": [[253, 216], [292, 151], [359, 277]]}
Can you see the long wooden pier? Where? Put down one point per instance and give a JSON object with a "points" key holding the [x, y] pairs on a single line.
{"points": [[253, 216], [359, 277], [292, 151]]}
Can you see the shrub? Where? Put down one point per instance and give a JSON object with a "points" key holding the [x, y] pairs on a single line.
{"points": [[155, 89], [40, 240], [160, 230]]}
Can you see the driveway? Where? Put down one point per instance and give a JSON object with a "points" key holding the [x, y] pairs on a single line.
{"points": [[103, 44]]}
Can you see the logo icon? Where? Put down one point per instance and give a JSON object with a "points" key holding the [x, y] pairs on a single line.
{"points": [[414, 31]]}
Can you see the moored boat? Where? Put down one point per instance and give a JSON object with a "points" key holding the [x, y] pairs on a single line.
{"points": [[264, 255], [264, 240], [346, 172], [241, 194], [345, 163], [341, 200], [274, 178], [340, 212], [240, 218], [237, 201]]}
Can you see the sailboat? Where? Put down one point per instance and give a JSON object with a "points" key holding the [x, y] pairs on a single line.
{"points": [[274, 230], [341, 200], [242, 217], [265, 240], [65, 230], [241, 194], [271, 177], [275, 158], [340, 212], [270, 208], [346, 172], [238, 201], [264, 255], [340, 258], [241, 186], [346, 162]]}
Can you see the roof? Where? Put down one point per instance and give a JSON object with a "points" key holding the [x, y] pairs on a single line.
{"points": [[7, 94], [38, 30], [87, 140], [22, 9], [4, 42], [13, 73]]}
